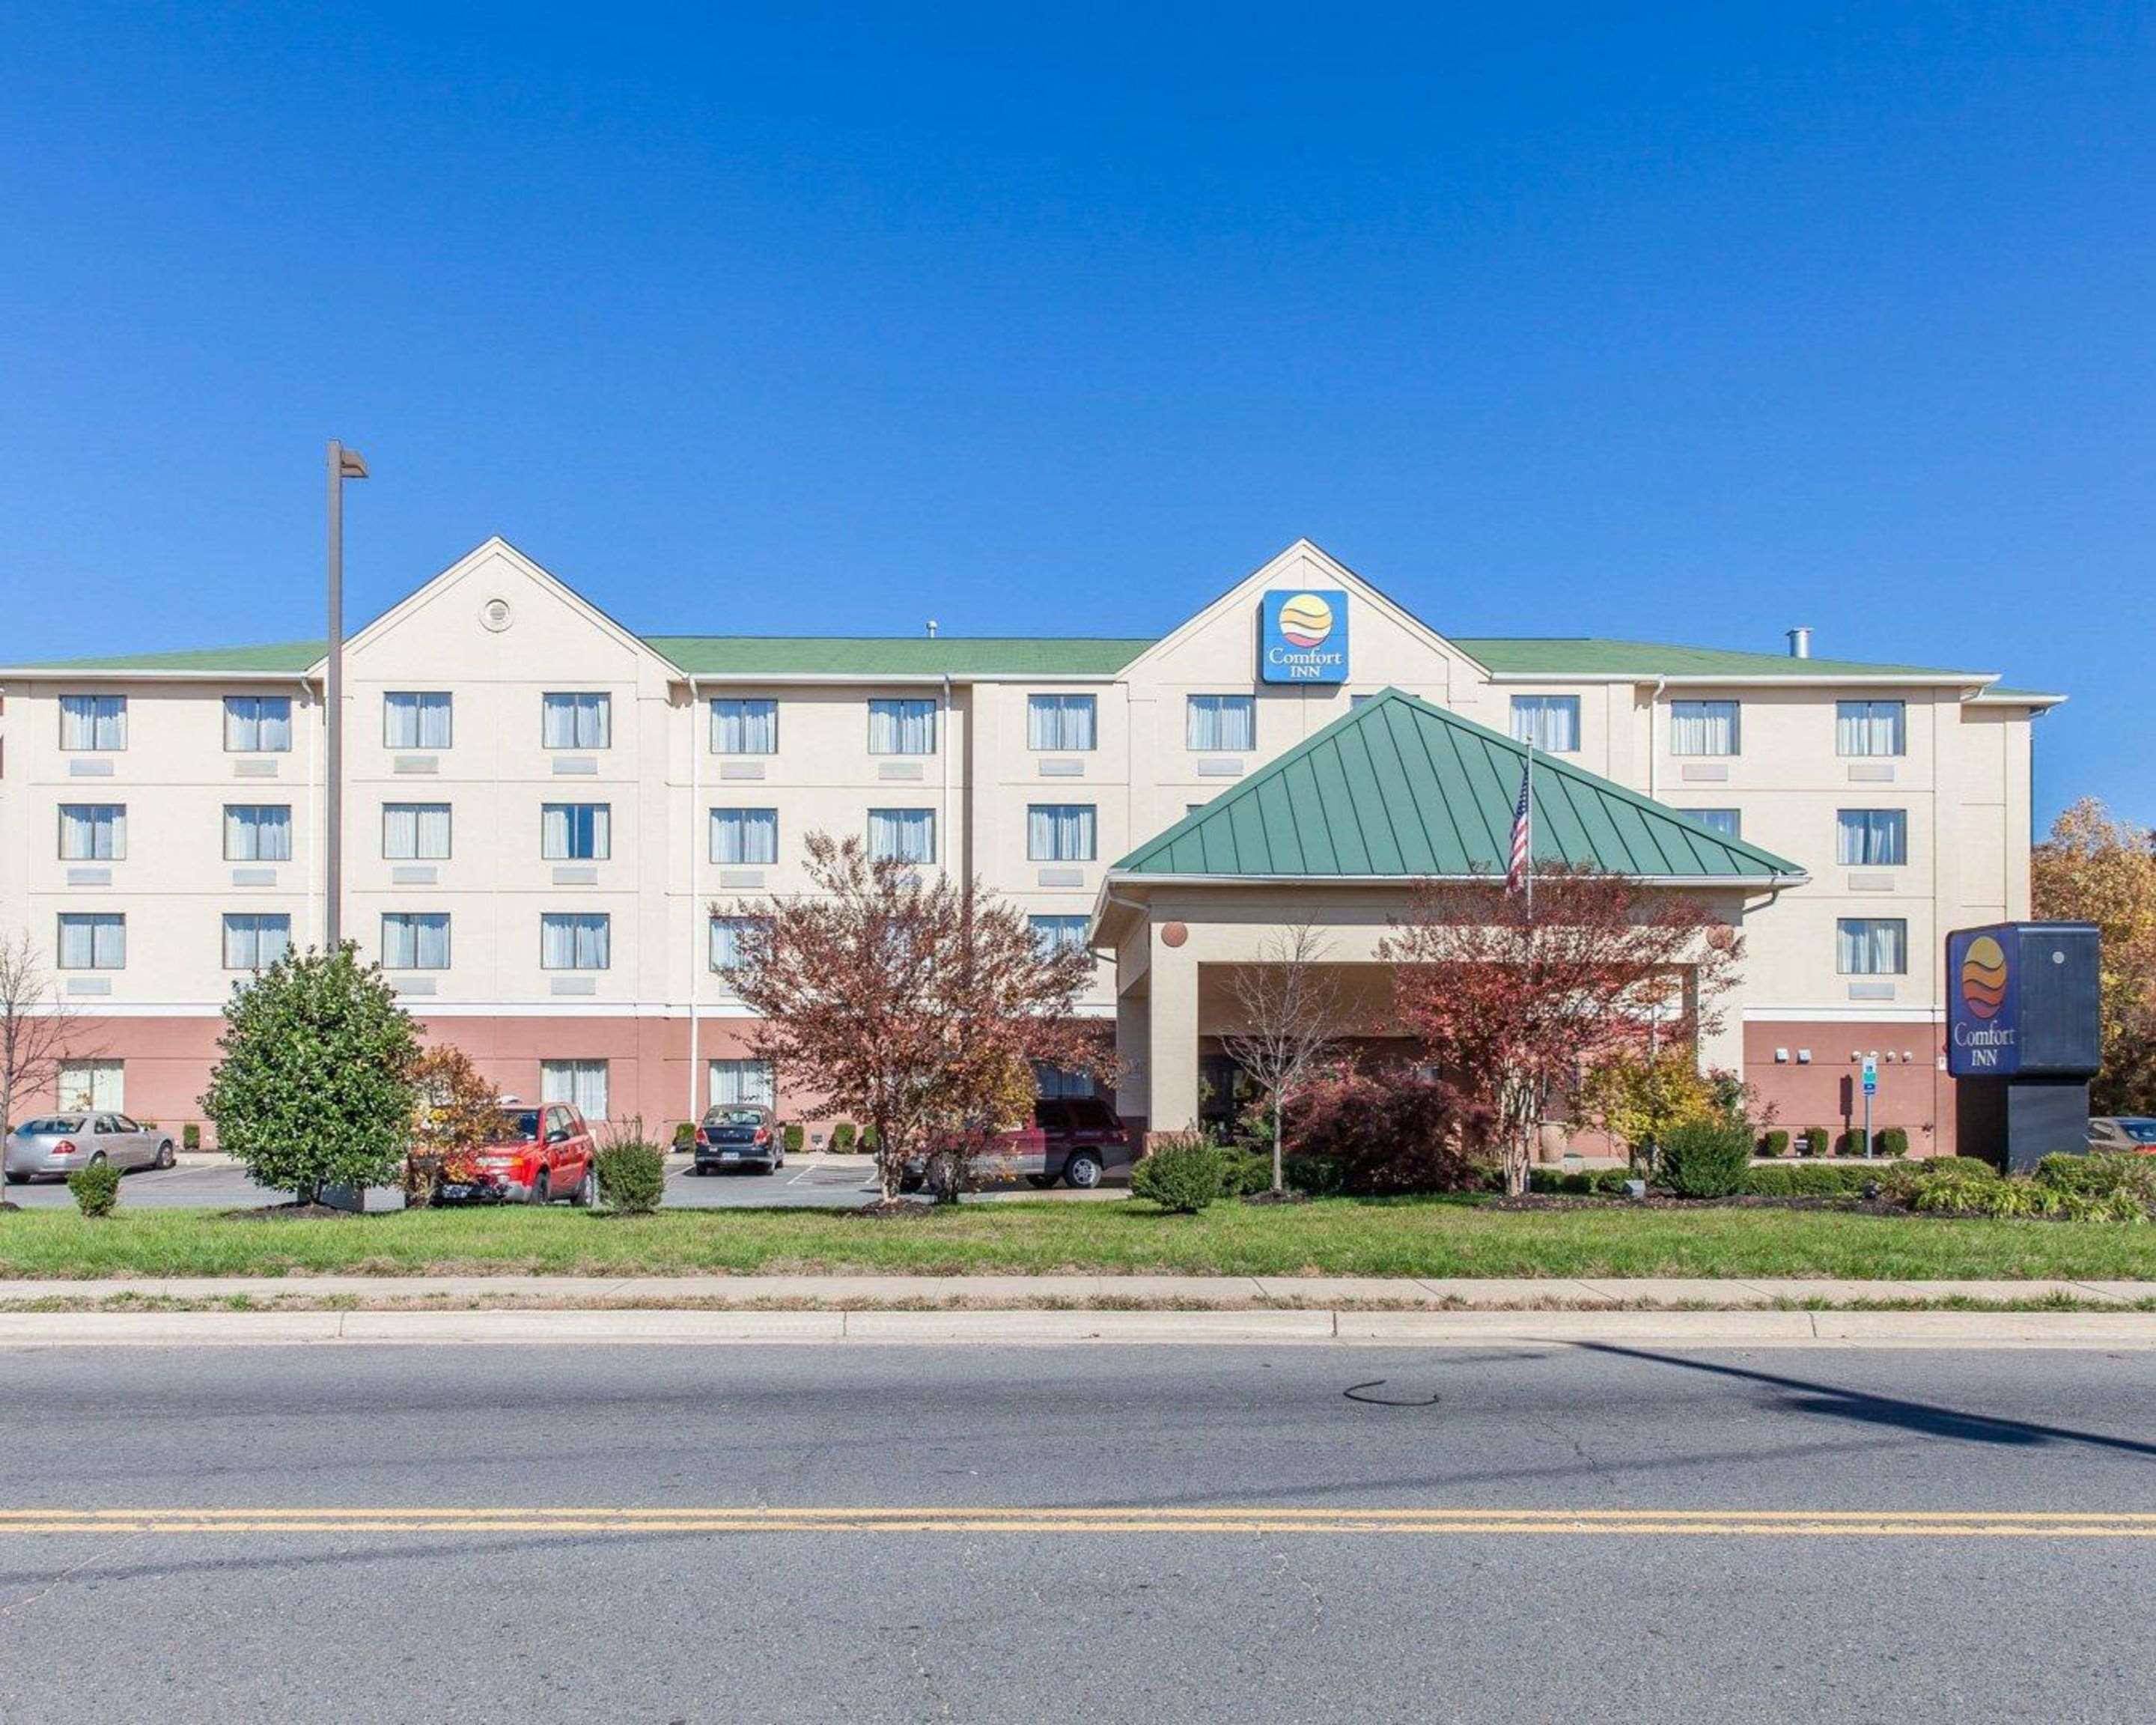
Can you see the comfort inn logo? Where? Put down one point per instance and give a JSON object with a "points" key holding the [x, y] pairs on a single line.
{"points": [[1983, 978], [1302, 637]]}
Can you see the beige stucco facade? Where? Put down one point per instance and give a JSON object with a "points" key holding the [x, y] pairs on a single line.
{"points": [[496, 634]]}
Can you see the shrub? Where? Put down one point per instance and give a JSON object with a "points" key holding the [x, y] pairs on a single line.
{"points": [[314, 1088], [792, 1137], [685, 1135], [1775, 1143], [842, 1137], [1182, 1173], [1849, 1143], [1579, 1182], [632, 1175], [1313, 1176], [2100, 1175], [867, 1142], [1704, 1158], [96, 1188], [1893, 1141], [191, 1137], [1391, 1131], [1808, 1180], [1244, 1172]]}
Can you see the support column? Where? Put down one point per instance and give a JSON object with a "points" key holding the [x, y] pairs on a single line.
{"points": [[1134, 1054], [1172, 1041], [1723, 1049]]}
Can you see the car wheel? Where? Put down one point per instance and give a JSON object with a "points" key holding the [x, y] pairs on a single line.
{"points": [[587, 1195], [542, 1188], [16, 1179], [165, 1157], [1083, 1170]]}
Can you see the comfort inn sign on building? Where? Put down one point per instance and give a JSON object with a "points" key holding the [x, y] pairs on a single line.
{"points": [[1302, 636]]}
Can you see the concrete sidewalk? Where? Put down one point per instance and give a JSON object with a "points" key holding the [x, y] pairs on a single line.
{"points": [[1053, 1293]]}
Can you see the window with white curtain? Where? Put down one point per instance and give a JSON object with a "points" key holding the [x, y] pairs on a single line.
{"points": [[1059, 832], [747, 836], [575, 940], [1550, 722], [1703, 727], [1871, 838], [727, 934], [581, 1084], [576, 721], [98, 1085], [258, 832], [749, 1081], [1872, 946], [93, 940], [415, 719], [1728, 822], [258, 724], [1220, 724], [1053, 1081], [415, 940], [255, 941], [576, 832], [744, 726], [1053, 934], [902, 727], [93, 832], [1870, 728], [93, 721], [906, 835], [1059, 723], [415, 832]]}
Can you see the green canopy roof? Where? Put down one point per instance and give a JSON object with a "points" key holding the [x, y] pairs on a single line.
{"points": [[1399, 789]]}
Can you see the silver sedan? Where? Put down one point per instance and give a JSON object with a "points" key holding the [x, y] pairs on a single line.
{"points": [[59, 1144]]}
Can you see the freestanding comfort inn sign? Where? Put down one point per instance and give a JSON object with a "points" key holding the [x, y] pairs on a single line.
{"points": [[1302, 636]]}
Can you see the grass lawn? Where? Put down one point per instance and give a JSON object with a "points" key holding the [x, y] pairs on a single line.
{"points": [[1415, 1237]]}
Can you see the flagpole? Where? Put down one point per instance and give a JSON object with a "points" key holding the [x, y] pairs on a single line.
{"points": [[1531, 831]]}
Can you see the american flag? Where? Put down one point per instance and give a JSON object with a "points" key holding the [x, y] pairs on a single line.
{"points": [[1515, 875]]}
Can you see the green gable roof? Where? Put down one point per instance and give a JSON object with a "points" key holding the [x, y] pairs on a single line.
{"points": [[275, 658], [897, 655], [1593, 656], [1401, 789]]}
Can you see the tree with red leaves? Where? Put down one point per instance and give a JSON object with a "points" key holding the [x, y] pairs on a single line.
{"points": [[1512, 1001], [916, 1005]]}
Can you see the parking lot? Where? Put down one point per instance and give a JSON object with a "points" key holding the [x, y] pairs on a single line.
{"points": [[813, 1180]]}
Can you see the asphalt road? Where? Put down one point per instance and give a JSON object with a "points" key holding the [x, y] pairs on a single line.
{"points": [[397, 1616]]}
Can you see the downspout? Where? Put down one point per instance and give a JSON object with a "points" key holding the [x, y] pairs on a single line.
{"points": [[946, 841], [697, 952], [317, 818], [1653, 702]]}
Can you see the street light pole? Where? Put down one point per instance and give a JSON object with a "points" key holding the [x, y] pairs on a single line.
{"points": [[343, 464]]}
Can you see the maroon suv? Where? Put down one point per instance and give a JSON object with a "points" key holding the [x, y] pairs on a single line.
{"points": [[1073, 1139]]}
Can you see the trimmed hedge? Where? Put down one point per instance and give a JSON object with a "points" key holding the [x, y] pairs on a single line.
{"points": [[1704, 1158], [1813, 1141], [685, 1134], [1808, 1180], [191, 1137], [792, 1137], [842, 1137], [1579, 1182], [1775, 1143], [632, 1176], [1893, 1141], [96, 1188], [1181, 1175]]}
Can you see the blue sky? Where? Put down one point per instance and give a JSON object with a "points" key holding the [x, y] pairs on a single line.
{"points": [[1683, 323]]}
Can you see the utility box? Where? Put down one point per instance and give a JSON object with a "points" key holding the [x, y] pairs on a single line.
{"points": [[2024, 1035]]}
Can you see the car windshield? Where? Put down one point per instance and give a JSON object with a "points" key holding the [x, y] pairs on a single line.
{"points": [[2142, 1131], [523, 1124], [734, 1117], [51, 1123]]}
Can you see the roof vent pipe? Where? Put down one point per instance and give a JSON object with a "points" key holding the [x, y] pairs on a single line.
{"points": [[1800, 643], [932, 629]]}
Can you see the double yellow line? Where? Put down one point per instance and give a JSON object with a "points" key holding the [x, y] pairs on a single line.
{"points": [[1135, 1518]]}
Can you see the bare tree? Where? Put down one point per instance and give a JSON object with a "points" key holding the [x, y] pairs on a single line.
{"points": [[1289, 1006], [38, 1032]]}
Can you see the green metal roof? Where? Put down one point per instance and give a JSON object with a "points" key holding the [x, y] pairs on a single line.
{"points": [[1593, 656], [897, 655], [275, 658], [1399, 787]]}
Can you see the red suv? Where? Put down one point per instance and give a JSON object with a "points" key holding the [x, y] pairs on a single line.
{"points": [[1074, 1139], [547, 1154]]}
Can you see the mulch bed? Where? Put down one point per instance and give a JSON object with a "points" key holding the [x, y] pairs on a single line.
{"points": [[895, 1209], [290, 1212], [1276, 1197]]}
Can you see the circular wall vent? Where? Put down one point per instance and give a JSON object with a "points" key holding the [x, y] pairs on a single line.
{"points": [[495, 615]]}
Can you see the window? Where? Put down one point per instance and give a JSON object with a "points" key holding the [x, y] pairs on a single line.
{"points": [[255, 941], [1220, 724], [1548, 723], [1872, 946], [575, 940], [579, 831], [741, 1081], [726, 933], [904, 834], [1703, 727], [415, 940], [93, 940], [744, 727], [1062, 722], [901, 728], [1355, 702], [581, 1084], [1872, 837], [1870, 727], [415, 832], [1059, 1081], [258, 832], [93, 721], [1052, 934], [258, 724], [412, 721], [93, 832], [576, 721], [1728, 822], [1059, 832], [100, 1085], [745, 835]]}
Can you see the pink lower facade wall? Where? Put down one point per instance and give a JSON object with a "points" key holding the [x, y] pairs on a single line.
{"points": [[1916, 1095]]}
